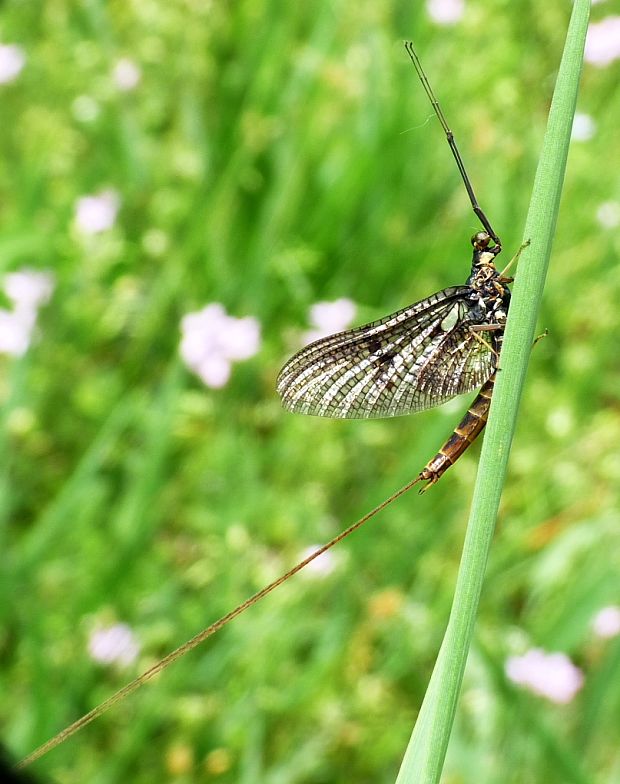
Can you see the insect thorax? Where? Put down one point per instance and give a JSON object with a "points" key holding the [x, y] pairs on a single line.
{"points": [[490, 296]]}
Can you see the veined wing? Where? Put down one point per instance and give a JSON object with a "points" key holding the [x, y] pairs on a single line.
{"points": [[414, 359]]}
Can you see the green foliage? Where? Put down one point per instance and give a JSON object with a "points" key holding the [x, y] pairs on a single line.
{"points": [[273, 156]]}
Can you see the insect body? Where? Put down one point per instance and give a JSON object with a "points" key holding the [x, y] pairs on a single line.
{"points": [[417, 358]]}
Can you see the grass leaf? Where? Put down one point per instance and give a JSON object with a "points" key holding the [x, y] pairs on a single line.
{"points": [[424, 758]]}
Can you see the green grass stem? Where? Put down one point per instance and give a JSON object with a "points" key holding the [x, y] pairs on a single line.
{"points": [[425, 755]]}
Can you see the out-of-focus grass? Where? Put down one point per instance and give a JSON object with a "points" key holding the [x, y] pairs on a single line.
{"points": [[269, 158]]}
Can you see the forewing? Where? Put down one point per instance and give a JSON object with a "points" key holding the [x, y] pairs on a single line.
{"points": [[414, 359]]}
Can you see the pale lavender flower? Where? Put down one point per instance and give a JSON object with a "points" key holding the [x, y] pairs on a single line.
{"points": [[12, 60], [211, 340], [608, 214], [16, 331], [550, 675], [329, 317], [214, 371], [584, 127], [606, 622], [322, 566], [115, 644], [603, 42], [241, 338], [199, 329], [445, 12], [28, 289], [126, 74], [97, 213]]}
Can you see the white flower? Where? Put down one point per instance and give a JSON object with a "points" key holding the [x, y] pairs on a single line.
{"points": [[550, 675], [212, 340], [126, 74], [29, 289], [97, 213], [608, 214], [12, 60], [329, 317], [603, 42], [584, 127], [322, 566], [15, 332], [445, 11], [114, 645], [606, 622]]}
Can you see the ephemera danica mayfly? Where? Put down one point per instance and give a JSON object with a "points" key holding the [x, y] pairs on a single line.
{"points": [[419, 357]]}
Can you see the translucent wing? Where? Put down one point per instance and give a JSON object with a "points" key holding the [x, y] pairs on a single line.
{"points": [[416, 358]]}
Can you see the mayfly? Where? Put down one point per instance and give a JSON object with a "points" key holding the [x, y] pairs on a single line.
{"points": [[420, 356]]}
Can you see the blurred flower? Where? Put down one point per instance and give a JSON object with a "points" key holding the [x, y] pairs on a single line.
{"points": [[445, 11], [329, 317], [114, 645], [603, 42], [550, 675], [386, 603], [12, 60], [126, 74], [212, 340], [28, 290], [583, 128], [217, 762], [608, 214], [180, 759], [321, 566], [213, 370], [606, 622], [97, 213], [15, 332]]}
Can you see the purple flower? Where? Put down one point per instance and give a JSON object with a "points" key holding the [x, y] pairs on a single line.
{"points": [[606, 622], [550, 675], [12, 60], [97, 213], [329, 317], [212, 340], [603, 42], [115, 644]]}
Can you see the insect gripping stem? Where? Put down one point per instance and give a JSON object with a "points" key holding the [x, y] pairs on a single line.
{"points": [[408, 361]]}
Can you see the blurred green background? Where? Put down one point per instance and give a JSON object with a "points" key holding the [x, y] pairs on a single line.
{"points": [[267, 157]]}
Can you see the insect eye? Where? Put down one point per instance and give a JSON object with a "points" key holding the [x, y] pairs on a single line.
{"points": [[480, 240]]}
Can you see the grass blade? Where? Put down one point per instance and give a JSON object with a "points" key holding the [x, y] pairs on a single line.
{"points": [[424, 758]]}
